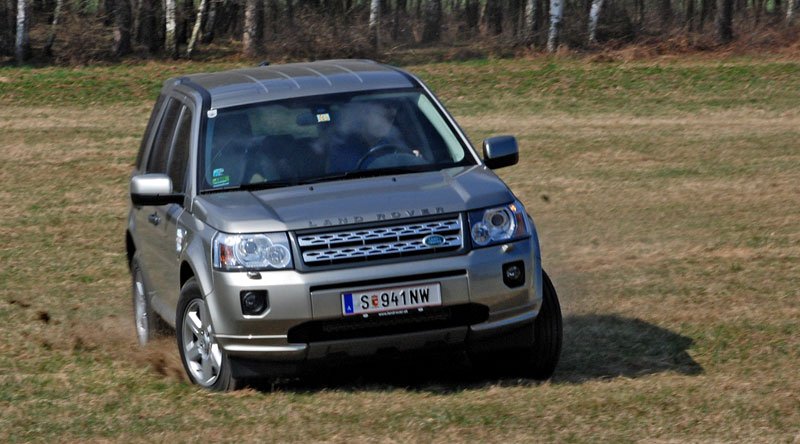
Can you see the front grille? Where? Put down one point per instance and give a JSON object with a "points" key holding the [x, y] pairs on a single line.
{"points": [[366, 244], [432, 318]]}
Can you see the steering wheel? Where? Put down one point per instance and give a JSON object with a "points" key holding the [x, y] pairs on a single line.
{"points": [[382, 150]]}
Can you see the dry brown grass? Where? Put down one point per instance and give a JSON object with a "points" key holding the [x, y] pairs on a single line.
{"points": [[672, 238]]}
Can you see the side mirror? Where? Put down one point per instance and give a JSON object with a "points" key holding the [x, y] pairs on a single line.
{"points": [[500, 151], [153, 189]]}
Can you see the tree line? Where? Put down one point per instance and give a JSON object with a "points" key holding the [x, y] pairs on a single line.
{"points": [[60, 29]]}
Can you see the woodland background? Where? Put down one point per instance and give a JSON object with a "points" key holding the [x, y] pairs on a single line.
{"points": [[86, 31]]}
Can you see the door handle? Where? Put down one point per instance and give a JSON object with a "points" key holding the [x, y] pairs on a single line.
{"points": [[154, 219]]}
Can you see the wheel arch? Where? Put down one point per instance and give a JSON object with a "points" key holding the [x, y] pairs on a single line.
{"points": [[195, 263], [130, 247], [187, 272]]}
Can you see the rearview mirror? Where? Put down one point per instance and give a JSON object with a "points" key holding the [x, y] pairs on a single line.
{"points": [[153, 189], [500, 151]]}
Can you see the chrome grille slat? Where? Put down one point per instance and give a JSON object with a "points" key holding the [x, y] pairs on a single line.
{"points": [[364, 244]]}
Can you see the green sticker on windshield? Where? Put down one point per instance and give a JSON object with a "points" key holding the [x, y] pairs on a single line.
{"points": [[220, 181]]}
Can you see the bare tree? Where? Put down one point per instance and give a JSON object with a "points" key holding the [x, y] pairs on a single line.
{"points": [[250, 31], [472, 12], [791, 10], [22, 43], [665, 10], [51, 35], [725, 20], [146, 30], [202, 10], [494, 16], [123, 22], [432, 26], [594, 16], [398, 21], [170, 40], [556, 12], [705, 11], [209, 26], [529, 21], [374, 22], [689, 16], [5, 28]]}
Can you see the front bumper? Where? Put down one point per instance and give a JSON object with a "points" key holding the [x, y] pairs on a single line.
{"points": [[473, 279]]}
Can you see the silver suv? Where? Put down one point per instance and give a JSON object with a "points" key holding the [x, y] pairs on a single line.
{"points": [[285, 215]]}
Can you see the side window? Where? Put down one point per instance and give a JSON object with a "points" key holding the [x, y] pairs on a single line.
{"points": [[180, 151], [157, 162], [150, 124]]}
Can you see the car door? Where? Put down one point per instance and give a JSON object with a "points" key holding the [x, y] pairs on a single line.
{"points": [[157, 224]]}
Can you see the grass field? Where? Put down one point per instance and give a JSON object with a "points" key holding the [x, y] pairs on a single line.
{"points": [[667, 198]]}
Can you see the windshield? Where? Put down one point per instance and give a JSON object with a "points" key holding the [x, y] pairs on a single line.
{"points": [[312, 139]]}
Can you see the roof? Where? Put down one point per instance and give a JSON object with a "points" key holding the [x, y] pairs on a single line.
{"points": [[275, 82]]}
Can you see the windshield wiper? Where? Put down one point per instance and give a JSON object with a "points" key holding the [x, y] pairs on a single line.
{"points": [[252, 186], [357, 174]]}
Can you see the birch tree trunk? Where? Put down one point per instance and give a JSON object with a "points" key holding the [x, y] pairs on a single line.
{"points": [[51, 36], [724, 20], [556, 12], [791, 10], [202, 10], [250, 31], [433, 21], [123, 20], [170, 41], [529, 22], [22, 43], [594, 17], [374, 22]]}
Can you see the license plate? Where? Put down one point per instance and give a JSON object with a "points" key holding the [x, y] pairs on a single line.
{"points": [[400, 299]]}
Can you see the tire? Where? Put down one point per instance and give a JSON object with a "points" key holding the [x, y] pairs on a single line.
{"points": [[147, 323], [548, 335], [539, 359], [204, 361]]}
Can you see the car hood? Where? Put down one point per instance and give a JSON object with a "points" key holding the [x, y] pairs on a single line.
{"points": [[352, 201]]}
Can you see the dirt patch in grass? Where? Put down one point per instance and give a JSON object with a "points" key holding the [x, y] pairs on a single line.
{"points": [[107, 336]]}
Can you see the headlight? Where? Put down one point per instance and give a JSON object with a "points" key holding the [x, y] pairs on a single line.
{"points": [[496, 225], [263, 251]]}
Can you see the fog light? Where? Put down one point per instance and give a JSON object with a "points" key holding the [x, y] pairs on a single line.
{"points": [[514, 274], [254, 302]]}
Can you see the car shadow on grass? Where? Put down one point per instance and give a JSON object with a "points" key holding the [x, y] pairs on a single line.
{"points": [[608, 346], [595, 347]]}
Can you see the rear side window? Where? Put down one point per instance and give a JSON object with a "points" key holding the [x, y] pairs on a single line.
{"points": [[180, 151], [150, 124], [157, 162]]}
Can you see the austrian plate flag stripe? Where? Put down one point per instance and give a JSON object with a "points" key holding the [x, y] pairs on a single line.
{"points": [[348, 303]]}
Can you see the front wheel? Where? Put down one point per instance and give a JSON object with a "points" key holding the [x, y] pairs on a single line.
{"points": [[539, 358], [203, 359]]}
